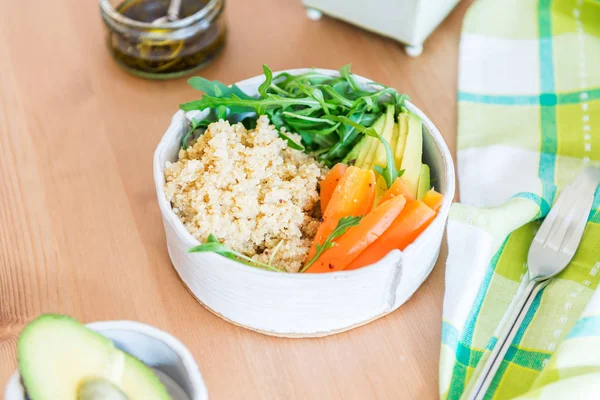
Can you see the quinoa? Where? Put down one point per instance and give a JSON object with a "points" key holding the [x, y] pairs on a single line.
{"points": [[250, 190]]}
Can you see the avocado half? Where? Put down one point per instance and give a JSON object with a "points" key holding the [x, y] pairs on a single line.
{"points": [[61, 359]]}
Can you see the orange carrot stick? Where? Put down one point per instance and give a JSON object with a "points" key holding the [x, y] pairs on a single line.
{"points": [[397, 188], [413, 219], [348, 246], [433, 199], [330, 182], [353, 196]]}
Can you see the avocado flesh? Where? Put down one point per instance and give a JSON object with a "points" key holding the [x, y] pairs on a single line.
{"points": [[395, 137], [413, 154], [367, 144], [380, 189], [99, 389], [424, 181], [380, 157], [368, 162], [401, 142], [58, 356]]}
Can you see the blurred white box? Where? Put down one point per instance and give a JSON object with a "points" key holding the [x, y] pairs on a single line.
{"points": [[407, 21]]}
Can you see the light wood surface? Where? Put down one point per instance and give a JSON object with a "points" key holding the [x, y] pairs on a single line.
{"points": [[80, 230]]}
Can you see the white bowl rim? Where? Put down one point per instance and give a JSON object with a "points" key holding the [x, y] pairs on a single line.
{"points": [[184, 354], [184, 235]]}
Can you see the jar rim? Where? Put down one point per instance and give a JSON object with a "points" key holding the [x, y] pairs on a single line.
{"points": [[199, 15]]}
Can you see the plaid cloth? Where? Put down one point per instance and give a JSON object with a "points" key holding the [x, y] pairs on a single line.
{"points": [[529, 121]]}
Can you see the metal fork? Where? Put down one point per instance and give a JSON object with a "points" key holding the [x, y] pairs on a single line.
{"points": [[552, 249]]}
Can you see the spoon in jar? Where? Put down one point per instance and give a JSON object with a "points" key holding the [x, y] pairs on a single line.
{"points": [[172, 13]]}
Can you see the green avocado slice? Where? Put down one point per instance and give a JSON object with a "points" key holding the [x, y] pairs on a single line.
{"points": [[61, 359], [360, 153], [413, 154], [424, 181], [387, 133]]}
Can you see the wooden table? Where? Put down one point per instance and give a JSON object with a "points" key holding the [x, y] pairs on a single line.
{"points": [[80, 230]]}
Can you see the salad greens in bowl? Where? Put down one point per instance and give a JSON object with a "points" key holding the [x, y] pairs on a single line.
{"points": [[329, 113]]}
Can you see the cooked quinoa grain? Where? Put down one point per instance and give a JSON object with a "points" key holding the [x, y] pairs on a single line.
{"points": [[250, 190]]}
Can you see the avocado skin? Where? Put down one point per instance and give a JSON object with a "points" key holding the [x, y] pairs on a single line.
{"points": [[24, 388]]}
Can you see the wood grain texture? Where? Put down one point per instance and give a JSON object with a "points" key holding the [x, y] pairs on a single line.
{"points": [[80, 230]]}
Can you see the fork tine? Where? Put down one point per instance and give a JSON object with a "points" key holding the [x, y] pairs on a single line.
{"points": [[567, 197], [565, 225], [574, 238], [562, 221], [566, 212], [577, 197], [544, 231]]}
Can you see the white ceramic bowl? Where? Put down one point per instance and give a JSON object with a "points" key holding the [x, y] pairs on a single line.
{"points": [[168, 357], [303, 305]]}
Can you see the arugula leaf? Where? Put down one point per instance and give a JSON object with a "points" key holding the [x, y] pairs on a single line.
{"points": [[313, 120], [262, 89], [347, 75], [315, 94], [343, 225], [306, 138], [325, 141], [260, 105], [277, 119], [342, 87], [249, 122], [290, 142], [195, 124], [214, 246], [368, 102], [337, 96], [291, 81], [221, 112], [216, 88], [308, 111], [349, 136]]}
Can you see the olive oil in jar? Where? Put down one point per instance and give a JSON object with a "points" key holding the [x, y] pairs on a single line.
{"points": [[165, 50]]}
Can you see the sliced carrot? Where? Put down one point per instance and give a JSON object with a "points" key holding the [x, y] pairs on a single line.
{"points": [[330, 182], [397, 188], [353, 196], [413, 220], [433, 199], [348, 246]]}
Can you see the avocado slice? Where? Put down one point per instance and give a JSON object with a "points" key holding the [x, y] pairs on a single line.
{"points": [[413, 154], [380, 189], [395, 137], [368, 145], [401, 142], [61, 359], [424, 181], [387, 134]]}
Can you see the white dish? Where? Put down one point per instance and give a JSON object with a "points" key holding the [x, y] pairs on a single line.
{"points": [[303, 305], [170, 359], [408, 21]]}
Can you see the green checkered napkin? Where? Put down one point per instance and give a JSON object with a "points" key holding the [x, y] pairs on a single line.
{"points": [[529, 121]]}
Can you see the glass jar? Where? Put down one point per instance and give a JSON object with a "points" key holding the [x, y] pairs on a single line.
{"points": [[163, 50]]}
